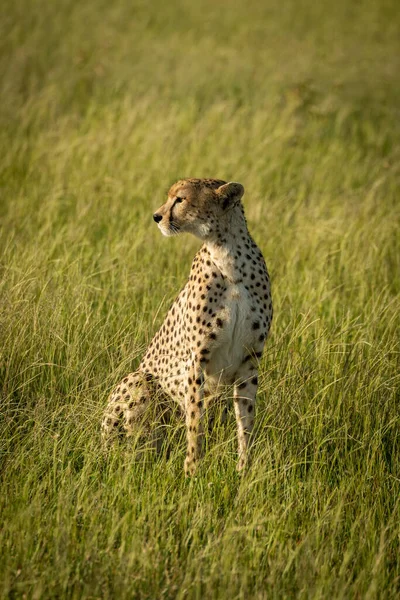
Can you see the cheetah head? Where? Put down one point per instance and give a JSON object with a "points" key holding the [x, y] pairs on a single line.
{"points": [[197, 205]]}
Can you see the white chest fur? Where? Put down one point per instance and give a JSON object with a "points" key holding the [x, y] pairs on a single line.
{"points": [[235, 336]]}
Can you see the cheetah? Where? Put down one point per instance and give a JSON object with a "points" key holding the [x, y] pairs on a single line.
{"points": [[215, 331]]}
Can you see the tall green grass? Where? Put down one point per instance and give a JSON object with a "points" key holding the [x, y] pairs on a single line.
{"points": [[102, 106]]}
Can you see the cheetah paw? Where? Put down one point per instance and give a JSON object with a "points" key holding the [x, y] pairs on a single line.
{"points": [[242, 464], [190, 467]]}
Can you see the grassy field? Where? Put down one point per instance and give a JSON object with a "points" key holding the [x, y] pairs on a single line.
{"points": [[102, 106]]}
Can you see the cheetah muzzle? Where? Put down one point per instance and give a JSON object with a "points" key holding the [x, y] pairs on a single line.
{"points": [[215, 331]]}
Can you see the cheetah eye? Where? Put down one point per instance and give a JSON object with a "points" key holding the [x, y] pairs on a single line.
{"points": [[178, 200]]}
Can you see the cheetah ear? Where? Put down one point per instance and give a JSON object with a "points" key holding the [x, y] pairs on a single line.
{"points": [[230, 193]]}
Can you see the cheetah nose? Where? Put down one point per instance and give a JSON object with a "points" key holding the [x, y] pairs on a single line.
{"points": [[157, 217]]}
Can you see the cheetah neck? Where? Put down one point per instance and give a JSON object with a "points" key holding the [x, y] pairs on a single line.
{"points": [[229, 244]]}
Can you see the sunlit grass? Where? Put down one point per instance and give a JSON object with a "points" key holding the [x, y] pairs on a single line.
{"points": [[103, 105]]}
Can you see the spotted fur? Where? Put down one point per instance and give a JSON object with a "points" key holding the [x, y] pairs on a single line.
{"points": [[214, 333]]}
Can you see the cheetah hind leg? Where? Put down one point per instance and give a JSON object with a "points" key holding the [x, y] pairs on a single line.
{"points": [[128, 410]]}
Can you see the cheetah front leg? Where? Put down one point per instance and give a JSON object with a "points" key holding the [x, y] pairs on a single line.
{"points": [[245, 390], [194, 418]]}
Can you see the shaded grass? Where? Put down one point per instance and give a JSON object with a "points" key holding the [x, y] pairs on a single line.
{"points": [[102, 107]]}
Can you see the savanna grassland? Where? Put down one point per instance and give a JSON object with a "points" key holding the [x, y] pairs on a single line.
{"points": [[102, 106]]}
